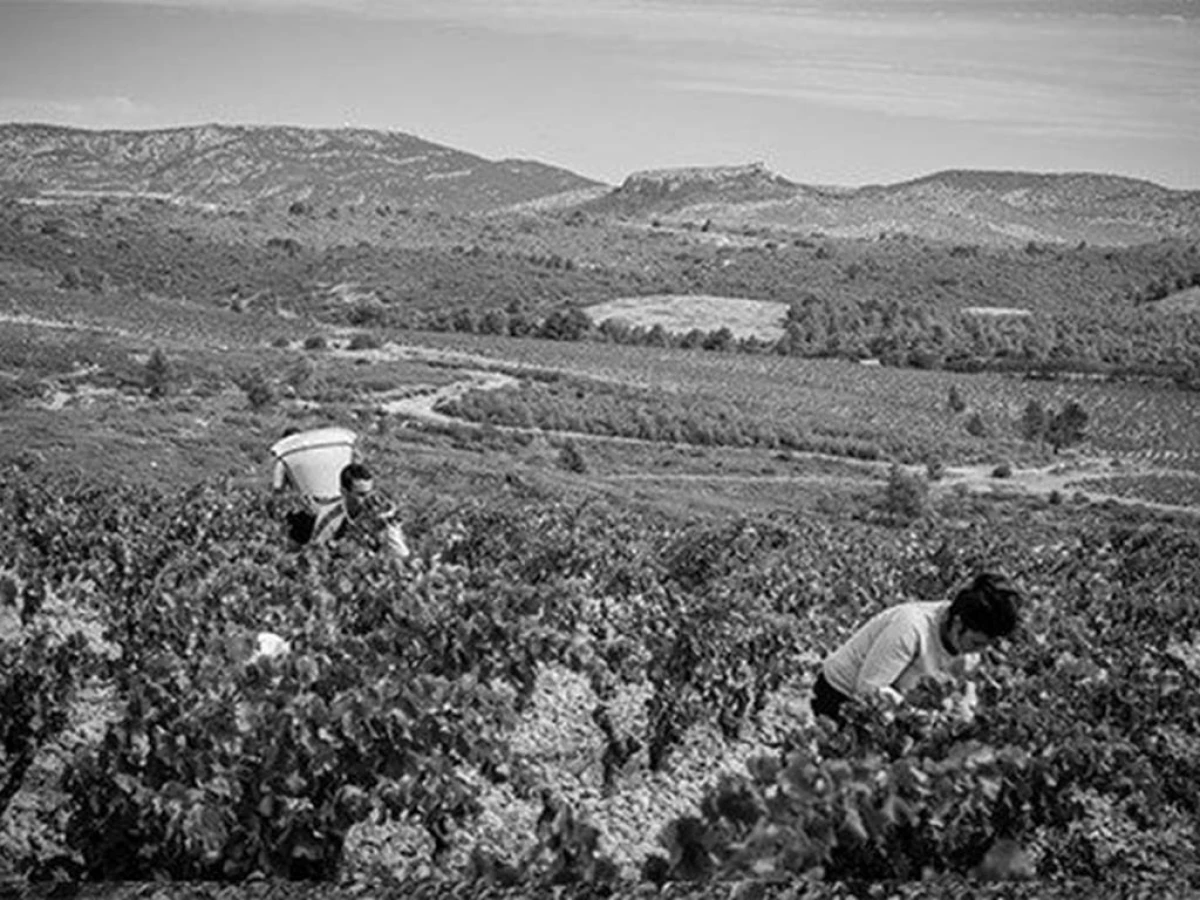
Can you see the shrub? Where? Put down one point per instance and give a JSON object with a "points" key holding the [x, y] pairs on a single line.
{"points": [[316, 342], [1033, 421], [14, 392], [905, 495], [71, 280], [259, 390], [976, 427], [571, 458], [302, 377], [290, 246], [1067, 427], [367, 313], [935, 469], [365, 341], [158, 375], [76, 278]]}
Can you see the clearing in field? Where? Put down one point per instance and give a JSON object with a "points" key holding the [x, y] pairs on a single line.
{"points": [[680, 313], [1185, 301], [995, 311]]}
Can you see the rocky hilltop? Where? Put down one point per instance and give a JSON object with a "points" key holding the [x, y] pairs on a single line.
{"points": [[242, 165], [965, 206], [665, 190]]}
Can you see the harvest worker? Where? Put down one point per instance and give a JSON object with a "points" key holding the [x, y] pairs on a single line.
{"points": [[337, 490], [897, 648], [361, 513]]}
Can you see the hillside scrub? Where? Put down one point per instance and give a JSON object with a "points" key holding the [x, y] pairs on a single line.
{"points": [[906, 302]]}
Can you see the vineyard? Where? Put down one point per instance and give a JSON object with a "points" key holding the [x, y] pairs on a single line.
{"points": [[900, 412], [592, 678], [574, 697]]}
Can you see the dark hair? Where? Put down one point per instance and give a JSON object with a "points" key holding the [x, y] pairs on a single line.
{"points": [[989, 604], [354, 472]]}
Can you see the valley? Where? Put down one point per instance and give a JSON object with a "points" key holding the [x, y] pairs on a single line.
{"points": [[656, 449]]}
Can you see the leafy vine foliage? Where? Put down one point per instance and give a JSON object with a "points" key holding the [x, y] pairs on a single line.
{"points": [[399, 694]]}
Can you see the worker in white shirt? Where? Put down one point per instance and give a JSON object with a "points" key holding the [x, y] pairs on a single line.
{"points": [[894, 650]]}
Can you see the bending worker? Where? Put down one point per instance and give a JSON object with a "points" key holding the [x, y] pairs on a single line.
{"points": [[895, 649], [338, 493]]}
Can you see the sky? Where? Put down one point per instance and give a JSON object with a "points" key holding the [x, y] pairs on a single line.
{"points": [[845, 92]]}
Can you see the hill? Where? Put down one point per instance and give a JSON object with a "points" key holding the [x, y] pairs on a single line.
{"points": [[675, 190], [223, 166], [968, 206], [229, 165]]}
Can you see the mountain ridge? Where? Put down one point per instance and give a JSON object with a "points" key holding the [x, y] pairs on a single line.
{"points": [[246, 164], [966, 205], [243, 165]]}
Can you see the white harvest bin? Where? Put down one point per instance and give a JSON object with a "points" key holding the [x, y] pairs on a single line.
{"points": [[313, 462]]}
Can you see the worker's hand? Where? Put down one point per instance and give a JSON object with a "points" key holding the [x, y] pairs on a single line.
{"points": [[396, 544]]}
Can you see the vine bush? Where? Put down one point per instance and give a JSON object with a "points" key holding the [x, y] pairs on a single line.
{"points": [[399, 693]]}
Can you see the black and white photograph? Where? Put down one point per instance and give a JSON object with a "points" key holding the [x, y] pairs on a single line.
{"points": [[599, 449]]}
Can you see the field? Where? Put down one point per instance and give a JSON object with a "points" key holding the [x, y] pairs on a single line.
{"points": [[679, 314], [1180, 301], [904, 411], [592, 676]]}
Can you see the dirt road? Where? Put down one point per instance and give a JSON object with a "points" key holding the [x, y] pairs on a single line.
{"points": [[1064, 477]]}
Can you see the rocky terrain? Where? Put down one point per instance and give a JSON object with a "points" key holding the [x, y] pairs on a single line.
{"points": [[965, 206], [243, 165], [220, 166]]}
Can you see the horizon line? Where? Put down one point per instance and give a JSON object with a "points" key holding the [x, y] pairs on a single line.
{"points": [[1063, 173]]}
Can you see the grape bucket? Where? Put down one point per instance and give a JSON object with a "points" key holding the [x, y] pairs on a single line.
{"points": [[312, 462]]}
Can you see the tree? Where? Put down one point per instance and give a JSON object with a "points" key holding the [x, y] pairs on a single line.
{"points": [[494, 321], [955, 400], [566, 325], [1033, 421], [905, 495], [720, 340], [259, 390], [158, 375], [657, 336], [1067, 427], [571, 458]]}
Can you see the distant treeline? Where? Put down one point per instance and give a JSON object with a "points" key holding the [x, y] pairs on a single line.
{"points": [[899, 300], [1126, 344]]}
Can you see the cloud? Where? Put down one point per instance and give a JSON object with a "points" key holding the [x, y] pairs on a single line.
{"points": [[1026, 101], [86, 112], [624, 14], [1096, 68]]}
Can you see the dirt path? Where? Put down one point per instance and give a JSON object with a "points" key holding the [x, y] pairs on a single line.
{"points": [[1064, 477], [422, 406]]}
